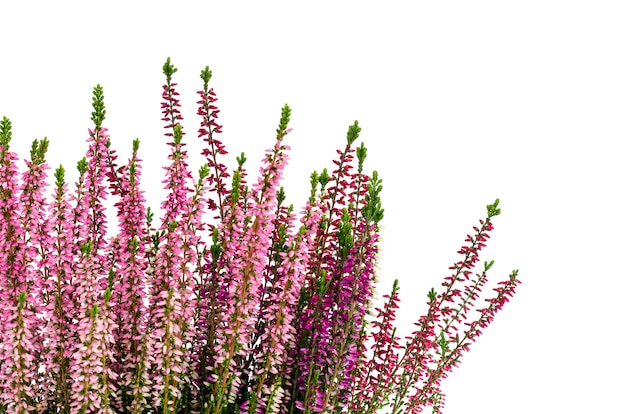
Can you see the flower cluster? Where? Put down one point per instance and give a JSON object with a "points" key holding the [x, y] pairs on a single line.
{"points": [[272, 314]]}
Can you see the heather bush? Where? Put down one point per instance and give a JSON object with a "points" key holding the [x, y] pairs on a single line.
{"points": [[274, 313]]}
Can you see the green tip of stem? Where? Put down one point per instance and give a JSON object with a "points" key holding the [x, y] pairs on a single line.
{"points": [[361, 153], [373, 211], [59, 175], [492, 209], [169, 69], [136, 145], [99, 112], [281, 196], [205, 75], [38, 151], [324, 178], [488, 265], [314, 181], [204, 172], [353, 132], [82, 166], [5, 132], [241, 159], [284, 121]]}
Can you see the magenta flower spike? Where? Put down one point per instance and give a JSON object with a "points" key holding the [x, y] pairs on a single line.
{"points": [[209, 128], [342, 277], [61, 304], [22, 211], [37, 237], [277, 336], [373, 374], [90, 367], [173, 304], [245, 255], [129, 264]]}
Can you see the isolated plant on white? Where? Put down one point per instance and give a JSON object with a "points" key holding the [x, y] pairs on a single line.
{"points": [[233, 303]]}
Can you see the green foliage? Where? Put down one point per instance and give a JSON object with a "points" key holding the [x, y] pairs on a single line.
{"points": [[280, 196], [149, 216], [82, 166], [488, 265], [373, 211], [110, 278], [324, 178], [444, 345], [86, 248], [38, 151], [432, 295], [5, 132], [205, 75], [94, 311], [178, 134], [136, 145], [241, 160], [353, 133], [216, 247], [169, 70], [204, 171], [236, 187], [99, 112], [492, 209], [59, 175], [344, 236], [284, 121], [361, 154], [314, 181], [132, 170]]}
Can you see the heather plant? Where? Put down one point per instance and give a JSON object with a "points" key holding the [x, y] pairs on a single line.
{"points": [[273, 313]]}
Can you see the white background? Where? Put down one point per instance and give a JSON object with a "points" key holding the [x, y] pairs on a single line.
{"points": [[460, 103]]}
